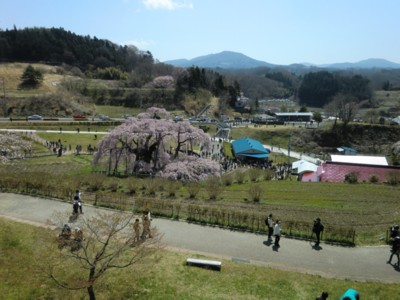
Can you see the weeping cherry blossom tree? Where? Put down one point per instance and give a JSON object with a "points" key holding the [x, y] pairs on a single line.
{"points": [[153, 144]]}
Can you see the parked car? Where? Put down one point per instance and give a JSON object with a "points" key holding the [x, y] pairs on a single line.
{"points": [[35, 117], [104, 117], [178, 118], [79, 117]]}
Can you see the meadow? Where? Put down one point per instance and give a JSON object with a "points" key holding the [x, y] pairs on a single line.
{"points": [[164, 276]]}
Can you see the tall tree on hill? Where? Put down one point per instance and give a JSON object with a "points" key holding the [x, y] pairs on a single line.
{"points": [[31, 77]]}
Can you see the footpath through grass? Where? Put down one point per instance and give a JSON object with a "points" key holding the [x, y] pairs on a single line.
{"points": [[168, 278]]}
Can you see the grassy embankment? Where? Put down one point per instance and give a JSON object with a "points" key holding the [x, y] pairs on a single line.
{"points": [[169, 278]]}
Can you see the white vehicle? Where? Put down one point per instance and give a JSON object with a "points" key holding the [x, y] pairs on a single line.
{"points": [[35, 117], [104, 117]]}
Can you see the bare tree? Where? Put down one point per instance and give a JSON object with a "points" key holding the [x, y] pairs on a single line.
{"points": [[108, 243], [346, 107]]}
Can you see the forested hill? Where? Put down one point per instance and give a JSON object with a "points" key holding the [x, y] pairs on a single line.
{"points": [[56, 46]]}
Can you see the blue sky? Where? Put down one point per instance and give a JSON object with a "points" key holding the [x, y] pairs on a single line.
{"points": [[275, 31]]}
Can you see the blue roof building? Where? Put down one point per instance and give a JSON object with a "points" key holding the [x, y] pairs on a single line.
{"points": [[249, 148]]}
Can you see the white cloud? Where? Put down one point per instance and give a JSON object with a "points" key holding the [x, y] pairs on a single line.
{"points": [[166, 4], [140, 44]]}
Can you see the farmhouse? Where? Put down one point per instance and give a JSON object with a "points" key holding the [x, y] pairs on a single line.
{"points": [[364, 167]]}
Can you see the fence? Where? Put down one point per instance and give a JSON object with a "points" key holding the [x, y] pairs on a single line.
{"points": [[232, 218]]}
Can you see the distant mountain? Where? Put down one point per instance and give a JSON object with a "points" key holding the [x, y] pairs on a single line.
{"points": [[372, 63], [235, 60], [223, 60]]}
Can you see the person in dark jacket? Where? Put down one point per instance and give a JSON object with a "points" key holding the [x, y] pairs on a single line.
{"points": [[270, 224], [395, 250], [318, 228]]}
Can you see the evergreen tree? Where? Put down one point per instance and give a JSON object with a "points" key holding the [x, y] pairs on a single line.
{"points": [[31, 77]]}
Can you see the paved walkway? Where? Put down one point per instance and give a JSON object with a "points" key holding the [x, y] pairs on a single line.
{"points": [[359, 263]]}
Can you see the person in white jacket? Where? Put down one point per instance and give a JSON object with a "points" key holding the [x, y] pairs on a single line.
{"points": [[277, 232]]}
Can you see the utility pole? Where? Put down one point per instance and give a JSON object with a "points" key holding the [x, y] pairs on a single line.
{"points": [[288, 151], [5, 100]]}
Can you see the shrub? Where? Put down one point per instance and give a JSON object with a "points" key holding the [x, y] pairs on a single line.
{"points": [[132, 186], [193, 189], [373, 179], [268, 174], [255, 192], [227, 179], [351, 178], [152, 185], [213, 187], [172, 186], [393, 179], [96, 182], [240, 176], [113, 185], [254, 174]]}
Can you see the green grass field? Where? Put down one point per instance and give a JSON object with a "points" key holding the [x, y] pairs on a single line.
{"points": [[165, 277]]}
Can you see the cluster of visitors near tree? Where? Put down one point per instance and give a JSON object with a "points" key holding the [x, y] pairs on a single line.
{"points": [[142, 229], [69, 238]]}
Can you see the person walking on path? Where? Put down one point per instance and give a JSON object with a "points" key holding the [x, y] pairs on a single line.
{"points": [[270, 224], [146, 228], [77, 197], [136, 228], [395, 250], [277, 233], [318, 228]]}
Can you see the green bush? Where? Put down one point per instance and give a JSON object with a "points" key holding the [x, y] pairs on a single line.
{"points": [[240, 175], [254, 174], [255, 192], [213, 187], [227, 179], [268, 174], [193, 189], [393, 179], [373, 179], [351, 178]]}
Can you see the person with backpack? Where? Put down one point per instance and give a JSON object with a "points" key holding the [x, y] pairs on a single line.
{"points": [[318, 228], [270, 225], [394, 231]]}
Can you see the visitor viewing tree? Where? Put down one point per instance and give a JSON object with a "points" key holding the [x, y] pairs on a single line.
{"points": [[153, 144]]}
